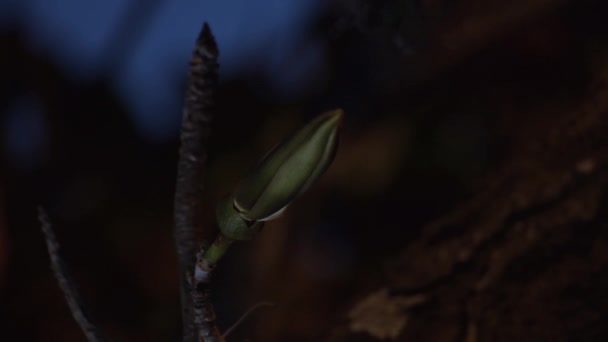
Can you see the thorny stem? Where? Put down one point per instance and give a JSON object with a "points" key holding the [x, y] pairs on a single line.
{"points": [[197, 115], [66, 282]]}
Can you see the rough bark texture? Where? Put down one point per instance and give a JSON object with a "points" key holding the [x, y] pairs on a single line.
{"points": [[524, 260], [204, 314], [197, 115]]}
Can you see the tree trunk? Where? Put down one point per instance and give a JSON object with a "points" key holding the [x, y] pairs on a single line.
{"points": [[523, 260]]}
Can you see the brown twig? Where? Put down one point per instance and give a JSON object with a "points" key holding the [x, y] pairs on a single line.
{"points": [[66, 282], [204, 314], [197, 115]]}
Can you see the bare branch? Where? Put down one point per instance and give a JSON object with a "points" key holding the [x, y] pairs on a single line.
{"points": [[67, 283], [197, 115], [204, 314]]}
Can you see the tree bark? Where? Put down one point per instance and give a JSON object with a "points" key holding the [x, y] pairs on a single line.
{"points": [[523, 260]]}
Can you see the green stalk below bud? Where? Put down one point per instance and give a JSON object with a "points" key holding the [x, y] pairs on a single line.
{"points": [[217, 249]]}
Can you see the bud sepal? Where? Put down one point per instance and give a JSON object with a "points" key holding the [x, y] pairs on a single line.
{"points": [[232, 224]]}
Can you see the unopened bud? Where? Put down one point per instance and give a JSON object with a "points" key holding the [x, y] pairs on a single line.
{"points": [[289, 169], [284, 173]]}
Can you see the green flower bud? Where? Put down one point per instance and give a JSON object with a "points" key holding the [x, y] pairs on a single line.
{"points": [[289, 169]]}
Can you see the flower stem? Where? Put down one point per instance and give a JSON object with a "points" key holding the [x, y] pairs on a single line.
{"points": [[217, 250]]}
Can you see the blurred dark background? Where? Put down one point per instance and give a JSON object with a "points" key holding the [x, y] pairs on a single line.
{"points": [[90, 106]]}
